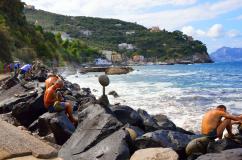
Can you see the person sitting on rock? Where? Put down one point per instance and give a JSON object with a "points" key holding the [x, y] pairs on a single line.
{"points": [[25, 72], [213, 125], [53, 101], [51, 79]]}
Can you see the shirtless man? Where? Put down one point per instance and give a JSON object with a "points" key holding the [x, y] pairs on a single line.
{"points": [[213, 125], [53, 101]]}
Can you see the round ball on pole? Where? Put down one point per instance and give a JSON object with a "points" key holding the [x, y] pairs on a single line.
{"points": [[103, 80]]}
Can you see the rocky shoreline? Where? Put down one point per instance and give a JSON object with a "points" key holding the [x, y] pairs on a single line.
{"points": [[104, 131]]}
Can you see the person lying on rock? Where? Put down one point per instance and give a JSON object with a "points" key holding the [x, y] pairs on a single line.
{"points": [[51, 79], [54, 101], [213, 126]]}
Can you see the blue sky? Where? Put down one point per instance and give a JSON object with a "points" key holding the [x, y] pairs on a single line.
{"points": [[216, 23]]}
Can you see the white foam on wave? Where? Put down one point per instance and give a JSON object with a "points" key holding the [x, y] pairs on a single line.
{"points": [[184, 106]]}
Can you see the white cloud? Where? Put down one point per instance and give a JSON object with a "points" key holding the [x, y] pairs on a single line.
{"points": [[233, 33], [136, 10], [191, 31], [215, 31]]}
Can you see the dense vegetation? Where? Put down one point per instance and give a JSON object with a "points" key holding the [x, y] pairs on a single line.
{"points": [[27, 34], [23, 41], [108, 33]]}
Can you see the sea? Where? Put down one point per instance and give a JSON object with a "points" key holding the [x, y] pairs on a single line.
{"points": [[181, 92]]}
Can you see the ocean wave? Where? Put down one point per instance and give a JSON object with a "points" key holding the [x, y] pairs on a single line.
{"points": [[183, 93]]}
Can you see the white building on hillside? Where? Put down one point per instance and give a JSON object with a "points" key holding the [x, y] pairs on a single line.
{"points": [[130, 32], [126, 46], [107, 54]]}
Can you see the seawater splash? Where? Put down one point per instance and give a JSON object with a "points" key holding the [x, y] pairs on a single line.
{"points": [[182, 92]]}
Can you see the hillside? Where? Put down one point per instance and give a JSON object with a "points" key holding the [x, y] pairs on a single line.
{"points": [[26, 42], [112, 34], [226, 54]]}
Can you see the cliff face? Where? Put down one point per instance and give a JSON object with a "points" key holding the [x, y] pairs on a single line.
{"points": [[226, 54]]}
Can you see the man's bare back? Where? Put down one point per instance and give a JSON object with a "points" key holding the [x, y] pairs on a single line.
{"points": [[211, 120], [213, 125]]}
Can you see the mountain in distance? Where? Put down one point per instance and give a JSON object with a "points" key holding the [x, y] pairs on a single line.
{"points": [[227, 54], [123, 37]]}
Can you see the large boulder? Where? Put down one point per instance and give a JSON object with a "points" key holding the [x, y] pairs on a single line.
{"points": [[126, 114], [164, 122], [56, 123], [15, 142], [231, 154], [118, 70], [95, 124], [198, 145], [13, 96], [155, 154], [149, 122], [33, 108], [223, 144], [61, 127], [165, 138], [114, 147]]}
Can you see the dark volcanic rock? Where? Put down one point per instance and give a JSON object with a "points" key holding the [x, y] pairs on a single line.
{"points": [[114, 147], [164, 138], [27, 112], [126, 114], [56, 123], [61, 127], [114, 94], [149, 122], [13, 96], [223, 144], [95, 124], [72, 86], [164, 122], [231, 154]]}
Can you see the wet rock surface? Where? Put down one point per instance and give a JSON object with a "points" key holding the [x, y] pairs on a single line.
{"points": [[95, 124]]}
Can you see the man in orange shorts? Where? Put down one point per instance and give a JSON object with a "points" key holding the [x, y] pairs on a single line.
{"points": [[213, 125], [53, 101]]}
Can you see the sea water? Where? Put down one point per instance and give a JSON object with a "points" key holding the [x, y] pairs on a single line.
{"points": [[181, 92]]}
